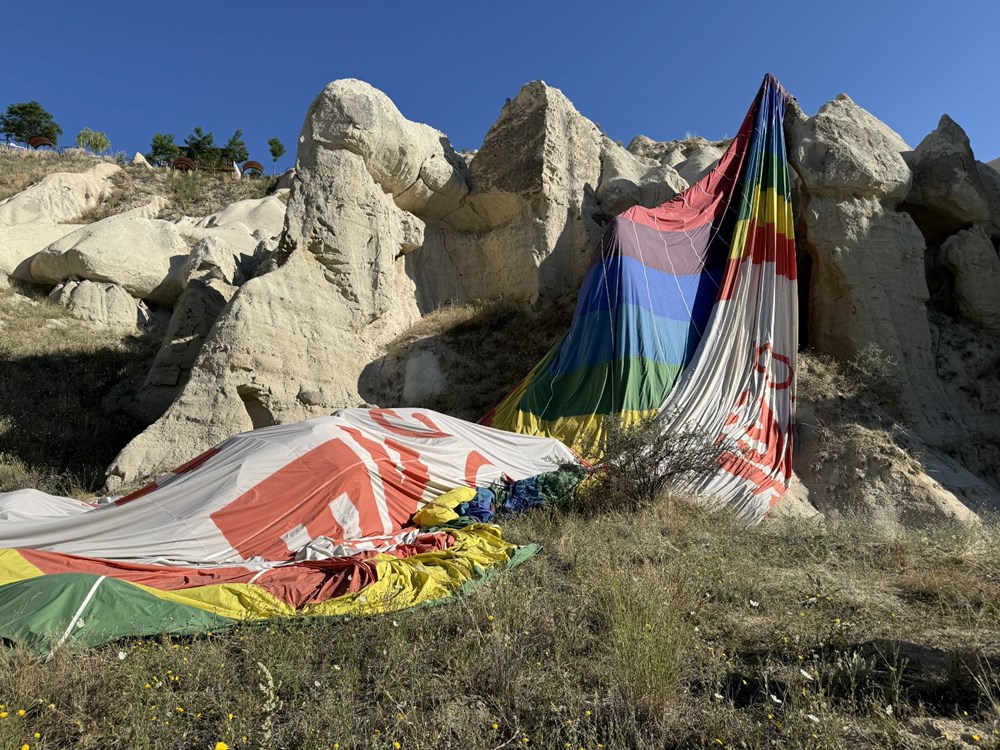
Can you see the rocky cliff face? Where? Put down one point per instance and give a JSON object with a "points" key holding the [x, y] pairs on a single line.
{"points": [[385, 223], [280, 314], [900, 250]]}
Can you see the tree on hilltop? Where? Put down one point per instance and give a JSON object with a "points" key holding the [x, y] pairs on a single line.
{"points": [[163, 150], [93, 141], [25, 119], [200, 147], [277, 150], [235, 149]]}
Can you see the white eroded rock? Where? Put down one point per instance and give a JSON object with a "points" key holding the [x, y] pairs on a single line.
{"points": [[411, 161], [991, 189], [867, 280], [104, 303], [975, 266], [144, 256], [628, 180], [293, 341], [526, 230], [699, 163], [946, 182], [19, 243], [266, 215], [60, 197], [844, 149], [286, 179]]}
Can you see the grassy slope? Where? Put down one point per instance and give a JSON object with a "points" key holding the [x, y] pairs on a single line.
{"points": [[670, 628], [57, 431], [19, 169], [194, 194], [197, 194]]}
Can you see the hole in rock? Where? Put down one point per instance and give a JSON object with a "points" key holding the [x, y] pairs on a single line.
{"points": [[260, 415]]}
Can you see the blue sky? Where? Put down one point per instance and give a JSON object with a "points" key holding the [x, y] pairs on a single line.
{"points": [[664, 69]]}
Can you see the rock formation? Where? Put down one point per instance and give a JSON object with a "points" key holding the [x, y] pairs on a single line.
{"points": [[144, 256], [890, 237], [107, 304], [948, 192], [386, 222], [867, 284], [61, 197]]}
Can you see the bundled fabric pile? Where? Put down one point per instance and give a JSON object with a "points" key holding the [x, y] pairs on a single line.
{"points": [[688, 315], [336, 515]]}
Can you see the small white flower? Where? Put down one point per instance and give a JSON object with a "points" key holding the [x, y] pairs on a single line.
{"points": [[805, 674], [122, 655], [317, 683], [754, 604], [776, 699], [336, 667], [395, 624], [718, 697], [888, 710]]}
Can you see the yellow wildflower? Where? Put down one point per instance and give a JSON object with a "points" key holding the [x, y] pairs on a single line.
{"points": [[180, 710], [3, 714], [495, 726], [221, 746], [21, 712], [396, 745]]}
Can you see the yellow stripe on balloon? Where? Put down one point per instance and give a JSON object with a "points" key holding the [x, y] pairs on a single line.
{"points": [[13, 567]]}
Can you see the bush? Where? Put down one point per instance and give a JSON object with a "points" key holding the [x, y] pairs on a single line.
{"points": [[94, 141], [642, 460]]}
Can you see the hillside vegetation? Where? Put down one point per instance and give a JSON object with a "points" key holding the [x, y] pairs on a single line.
{"points": [[673, 627], [58, 427], [183, 194], [20, 169]]}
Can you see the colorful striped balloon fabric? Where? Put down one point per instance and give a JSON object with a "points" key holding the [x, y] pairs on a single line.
{"points": [[688, 315]]}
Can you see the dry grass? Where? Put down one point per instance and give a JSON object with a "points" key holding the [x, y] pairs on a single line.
{"points": [[197, 194], [19, 169], [60, 422], [669, 627], [194, 194]]}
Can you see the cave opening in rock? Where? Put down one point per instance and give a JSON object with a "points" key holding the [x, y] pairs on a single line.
{"points": [[804, 265], [260, 415]]}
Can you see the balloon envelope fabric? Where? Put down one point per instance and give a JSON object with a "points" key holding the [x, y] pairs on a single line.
{"points": [[688, 315], [312, 518]]}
